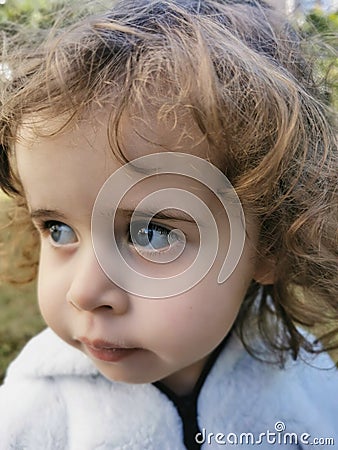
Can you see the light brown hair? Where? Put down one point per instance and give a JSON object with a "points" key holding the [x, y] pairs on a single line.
{"points": [[241, 72]]}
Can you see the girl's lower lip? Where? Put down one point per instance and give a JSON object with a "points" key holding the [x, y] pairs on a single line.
{"points": [[111, 354]]}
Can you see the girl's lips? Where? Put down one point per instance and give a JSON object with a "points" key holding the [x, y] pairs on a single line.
{"points": [[107, 351]]}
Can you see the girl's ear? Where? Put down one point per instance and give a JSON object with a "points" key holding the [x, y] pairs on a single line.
{"points": [[265, 271]]}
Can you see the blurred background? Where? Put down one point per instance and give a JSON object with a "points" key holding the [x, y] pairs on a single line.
{"points": [[19, 316]]}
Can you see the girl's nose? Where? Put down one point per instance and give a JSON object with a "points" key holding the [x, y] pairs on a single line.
{"points": [[91, 289]]}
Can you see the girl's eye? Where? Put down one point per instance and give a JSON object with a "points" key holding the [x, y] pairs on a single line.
{"points": [[60, 233], [150, 236]]}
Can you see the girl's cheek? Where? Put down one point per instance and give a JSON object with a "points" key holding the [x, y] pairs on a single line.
{"points": [[52, 283]]}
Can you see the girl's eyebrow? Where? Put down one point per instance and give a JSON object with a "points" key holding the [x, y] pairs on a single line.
{"points": [[42, 213], [166, 214]]}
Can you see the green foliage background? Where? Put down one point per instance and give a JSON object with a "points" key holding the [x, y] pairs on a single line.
{"points": [[19, 316], [323, 30]]}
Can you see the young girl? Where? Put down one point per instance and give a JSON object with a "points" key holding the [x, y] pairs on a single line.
{"points": [[177, 161]]}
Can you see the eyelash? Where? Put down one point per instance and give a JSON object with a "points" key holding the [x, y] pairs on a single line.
{"points": [[45, 226]]}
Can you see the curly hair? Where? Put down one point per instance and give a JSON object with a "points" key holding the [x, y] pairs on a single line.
{"points": [[246, 78]]}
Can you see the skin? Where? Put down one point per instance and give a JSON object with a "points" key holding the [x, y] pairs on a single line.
{"points": [[174, 336]]}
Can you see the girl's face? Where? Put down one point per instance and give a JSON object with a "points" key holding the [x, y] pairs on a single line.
{"points": [[129, 338]]}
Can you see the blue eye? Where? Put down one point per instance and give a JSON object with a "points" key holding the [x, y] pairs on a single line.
{"points": [[149, 237], [61, 233]]}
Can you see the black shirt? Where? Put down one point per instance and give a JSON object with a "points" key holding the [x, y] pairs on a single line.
{"points": [[186, 405]]}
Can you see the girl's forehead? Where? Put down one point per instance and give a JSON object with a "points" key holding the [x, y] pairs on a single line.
{"points": [[137, 133]]}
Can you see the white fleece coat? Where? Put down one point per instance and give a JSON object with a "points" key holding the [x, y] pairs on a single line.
{"points": [[54, 399]]}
